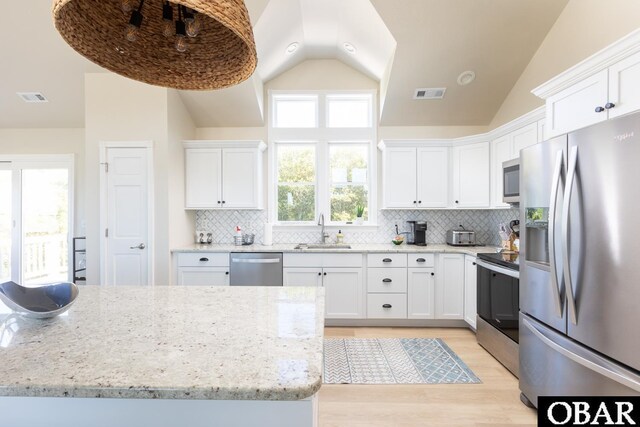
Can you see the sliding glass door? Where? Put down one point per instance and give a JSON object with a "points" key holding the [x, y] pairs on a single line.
{"points": [[35, 221]]}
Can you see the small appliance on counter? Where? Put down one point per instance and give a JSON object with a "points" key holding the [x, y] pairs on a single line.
{"points": [[417, 234], [461, 237]]}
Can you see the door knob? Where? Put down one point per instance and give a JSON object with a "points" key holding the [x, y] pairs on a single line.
{"points": [[609, 105], [599, 109], [140, 246]]}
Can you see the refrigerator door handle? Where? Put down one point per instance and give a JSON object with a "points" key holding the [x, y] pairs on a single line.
{"points": [[555, 286], [566, 235], [586, 358]]}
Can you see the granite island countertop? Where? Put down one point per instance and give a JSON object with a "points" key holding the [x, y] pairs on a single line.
{"points": [[218, 343], [355, 248]]}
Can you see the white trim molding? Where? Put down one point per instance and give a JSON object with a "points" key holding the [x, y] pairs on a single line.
{"points": [[206, 143]]}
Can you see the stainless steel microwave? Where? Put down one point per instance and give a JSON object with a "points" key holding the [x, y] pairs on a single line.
{"points": [[511, 181]]}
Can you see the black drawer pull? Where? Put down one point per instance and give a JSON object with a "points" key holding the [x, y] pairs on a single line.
{"points": [[433, 274], [204, 259], [386, 260], [386, 280], [226, 272], [421, 260], [386, 305]]}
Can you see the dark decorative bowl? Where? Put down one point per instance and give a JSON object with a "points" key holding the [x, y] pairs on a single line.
{"points": [[40, 302]]}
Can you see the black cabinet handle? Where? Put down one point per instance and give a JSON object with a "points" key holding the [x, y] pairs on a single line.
{"points": [[414, 202], [219, 202], [226, 272], [386, 280], [599, 109], [433, 274], [421, 260], [474, 263], [609, 105], [419, 201], [204, 259], [319, 274], [494, 274], [457, 201], [325, 274], [386, 260], [386, 305], [223, 202]]}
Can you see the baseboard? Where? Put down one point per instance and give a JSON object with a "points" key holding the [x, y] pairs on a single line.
{"points": [[406, 323]]}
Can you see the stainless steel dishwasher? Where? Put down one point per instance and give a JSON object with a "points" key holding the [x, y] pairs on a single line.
{"points": [[255, 269]]}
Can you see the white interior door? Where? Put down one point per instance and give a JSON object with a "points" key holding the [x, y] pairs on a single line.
{"points": [[6, 222], [127, 246]]}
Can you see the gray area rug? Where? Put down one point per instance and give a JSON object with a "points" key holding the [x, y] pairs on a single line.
{"points": [[393, 361]]}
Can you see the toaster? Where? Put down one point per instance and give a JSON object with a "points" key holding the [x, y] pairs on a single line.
{"points": [[461, 237]]}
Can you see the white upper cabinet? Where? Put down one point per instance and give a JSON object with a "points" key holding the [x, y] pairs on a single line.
{"points": [[471, 182], [415, 177], [433, 171], [506, 148], [400, 172], [223, 174], [603, 86]]}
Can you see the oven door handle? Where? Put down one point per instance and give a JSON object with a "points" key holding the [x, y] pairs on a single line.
{"points": [[496, 268]]}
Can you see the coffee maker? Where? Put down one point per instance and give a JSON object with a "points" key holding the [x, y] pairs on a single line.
{"points": [[417, 233]]}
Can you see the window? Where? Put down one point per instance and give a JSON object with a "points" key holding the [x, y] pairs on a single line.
{"points": [[323, 157], [296, 182]]}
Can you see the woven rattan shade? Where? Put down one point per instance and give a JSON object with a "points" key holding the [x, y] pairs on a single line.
{"points": [[222, 55]]}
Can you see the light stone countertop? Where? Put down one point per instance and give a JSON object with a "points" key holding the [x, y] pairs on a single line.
{"points": [[355, 248], [179, 342]]}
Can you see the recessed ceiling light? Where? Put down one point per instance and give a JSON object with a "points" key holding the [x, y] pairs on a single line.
{"points": [[292, 48], [466, 77], [349, 48]]}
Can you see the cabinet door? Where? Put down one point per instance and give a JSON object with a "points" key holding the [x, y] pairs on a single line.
{"points": [[203, 172], [501, 150], [574, 107], [450, 287], [203, 276], [344, 293], [421, 293], [471, 168], [624, 86], [470, 290], [433, 177], [302, 276], [523, 138], [399, 182], [241, 177]]}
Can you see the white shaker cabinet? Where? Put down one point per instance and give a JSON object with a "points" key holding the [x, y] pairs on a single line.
{"points": [[420, 295], [223, 174], [203, 276], [624, 86], [470, 290], [415, 177], [471, 181], [449, 295], [293, 276], [343, 293]]}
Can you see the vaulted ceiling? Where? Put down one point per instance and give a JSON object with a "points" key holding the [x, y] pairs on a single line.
{"points": [[404, 44]]}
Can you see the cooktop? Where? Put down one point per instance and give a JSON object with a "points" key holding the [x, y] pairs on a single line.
{"points": [[506, 259]]}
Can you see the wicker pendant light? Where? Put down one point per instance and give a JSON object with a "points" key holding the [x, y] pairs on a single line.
{"points": [[133, 38]]}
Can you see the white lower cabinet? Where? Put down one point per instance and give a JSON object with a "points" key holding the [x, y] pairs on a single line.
{"points": [[449, 295], [343, 293], [203, 276], [470, 290], [340, 274], [421, 290]]}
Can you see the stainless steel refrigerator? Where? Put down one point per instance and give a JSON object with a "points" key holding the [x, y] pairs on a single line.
{"points": [[580, 278]]}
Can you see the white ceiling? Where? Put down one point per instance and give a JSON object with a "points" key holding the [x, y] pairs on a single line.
{"points": [[425, 42]]}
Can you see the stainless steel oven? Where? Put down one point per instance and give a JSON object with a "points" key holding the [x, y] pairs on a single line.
{"points": [[511, 181], [498, 307]]}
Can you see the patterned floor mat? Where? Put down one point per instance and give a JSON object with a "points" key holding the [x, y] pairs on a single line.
{"points": [[393, 361]]}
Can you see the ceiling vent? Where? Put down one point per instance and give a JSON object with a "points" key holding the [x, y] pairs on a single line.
{"points": [[430, 93], [32, 97]]}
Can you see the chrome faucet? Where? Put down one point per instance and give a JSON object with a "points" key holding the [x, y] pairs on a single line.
{"points": [[323, 233]]}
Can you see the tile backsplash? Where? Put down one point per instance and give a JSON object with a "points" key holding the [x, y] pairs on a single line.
{"points": [[483, 222]]}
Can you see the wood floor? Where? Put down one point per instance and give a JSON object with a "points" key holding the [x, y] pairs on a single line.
{"points": [[494, 403]]}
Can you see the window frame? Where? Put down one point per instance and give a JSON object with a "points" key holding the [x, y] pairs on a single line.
{"points": [[323, 137]]}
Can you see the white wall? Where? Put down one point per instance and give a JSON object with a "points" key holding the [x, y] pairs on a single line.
{"points": [[119, 109], [52, 141]]}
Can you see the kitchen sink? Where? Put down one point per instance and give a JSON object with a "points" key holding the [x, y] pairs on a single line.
{"points": [[321, 246]]}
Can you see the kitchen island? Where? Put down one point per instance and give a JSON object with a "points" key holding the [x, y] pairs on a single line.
{"points": [[167, 356]]}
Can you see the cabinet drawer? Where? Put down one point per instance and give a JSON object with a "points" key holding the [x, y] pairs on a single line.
{"points": [[387, 306], [387, 280], [421, 260], [387, 260], [203, 259]]}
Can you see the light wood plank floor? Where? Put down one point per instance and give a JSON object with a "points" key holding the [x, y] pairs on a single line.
{"points": [[494, 403]]}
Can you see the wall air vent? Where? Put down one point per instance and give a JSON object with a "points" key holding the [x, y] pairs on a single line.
{"points": [[429, 93], [32, 97]]}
